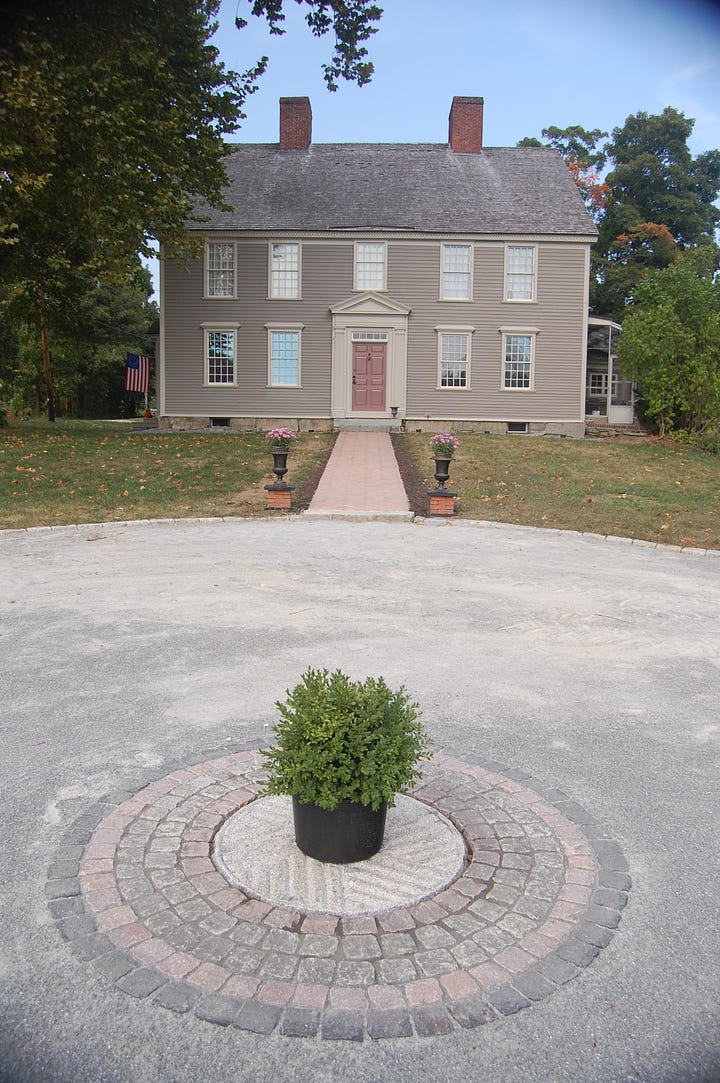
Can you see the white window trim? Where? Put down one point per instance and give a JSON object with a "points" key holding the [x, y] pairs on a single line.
{"points": [[521, 300], [218, 327], [276, 327], [526, 332], [603, 378], [207, 296], [449, 329], [276, 297], [471, 274], [370, 289]]}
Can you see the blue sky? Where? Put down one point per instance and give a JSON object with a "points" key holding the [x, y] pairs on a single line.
{"points": [[535, 63]]}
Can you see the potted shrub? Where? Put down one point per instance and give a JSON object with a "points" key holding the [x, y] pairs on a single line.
{"points": [[342, 751]]}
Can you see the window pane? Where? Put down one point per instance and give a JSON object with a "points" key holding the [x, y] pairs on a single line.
{"points": [[284, 359], [221, 357], [370, 266], [518, 360], [221, 270], [285, 274], [456, 271], [520, 273], [453, 360]]}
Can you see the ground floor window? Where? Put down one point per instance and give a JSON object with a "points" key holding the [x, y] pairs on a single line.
{"points": [[518, 358], [454, 357], [284, 349], [597, 385], [220, 346]]}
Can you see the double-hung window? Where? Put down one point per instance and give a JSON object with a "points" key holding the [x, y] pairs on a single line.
{"points": [[520, 270], [370, 266], [518, 359], [220, 269], [285, 270], [220, 354], [454, 357], [284, 356], [456, 282]]}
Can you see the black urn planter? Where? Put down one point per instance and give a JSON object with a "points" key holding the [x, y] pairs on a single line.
{"points": [[442, 470], [280, 466], [350, 832]]}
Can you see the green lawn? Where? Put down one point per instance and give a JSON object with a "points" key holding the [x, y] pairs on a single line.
{"points": [[75, 472], [656, 490]]}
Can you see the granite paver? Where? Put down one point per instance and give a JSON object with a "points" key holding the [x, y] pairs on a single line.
{"points": [[138, 897]]}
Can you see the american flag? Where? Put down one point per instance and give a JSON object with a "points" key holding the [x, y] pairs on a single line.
{"points": [[137, 372]]}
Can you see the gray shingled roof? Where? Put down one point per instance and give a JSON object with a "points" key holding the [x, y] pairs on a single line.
{"points": [[422, 187]]}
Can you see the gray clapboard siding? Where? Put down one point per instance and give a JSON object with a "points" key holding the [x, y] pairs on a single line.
{"points": [[413, 280]]}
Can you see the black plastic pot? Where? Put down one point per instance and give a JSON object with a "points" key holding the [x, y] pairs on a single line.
{"points": [[351, 832]]}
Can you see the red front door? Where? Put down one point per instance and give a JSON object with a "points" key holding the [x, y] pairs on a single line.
{"points": [[369, 364]]}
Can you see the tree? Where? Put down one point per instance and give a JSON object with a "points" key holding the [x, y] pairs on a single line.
{"points": [[583, 157], [645, 246], [350, 20], [90, 340], [658, 192], [112, 125], [670, 345]]}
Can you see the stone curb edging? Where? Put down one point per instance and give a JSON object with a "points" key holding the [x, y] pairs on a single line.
{"points": [[134, 891], [419, 520]]}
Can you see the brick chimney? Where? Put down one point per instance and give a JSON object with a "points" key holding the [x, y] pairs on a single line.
{"points": [[466, 125], [295, 123]]}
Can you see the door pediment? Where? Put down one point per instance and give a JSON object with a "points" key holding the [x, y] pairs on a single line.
{"points": [[369, 304]]}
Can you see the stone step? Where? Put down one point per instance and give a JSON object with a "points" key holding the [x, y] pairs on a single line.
{"points": [[368, 424]]}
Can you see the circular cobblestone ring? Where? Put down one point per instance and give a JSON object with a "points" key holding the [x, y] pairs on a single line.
{"points": [[135, 892]]}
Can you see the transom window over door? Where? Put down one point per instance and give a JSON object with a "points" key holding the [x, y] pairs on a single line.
{"points": [[370, 266], [456, 272], [220, 270], [519, 273], [285, 270]]}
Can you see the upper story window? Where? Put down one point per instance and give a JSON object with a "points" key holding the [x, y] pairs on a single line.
{"points": [[370, 266], [454, 356], [456, 281], [285, 270], [520, 273], [220, 269], [220, 354], [518, 360]]}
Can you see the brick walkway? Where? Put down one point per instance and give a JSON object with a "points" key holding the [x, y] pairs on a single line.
{"points": [[361, 481], [136, 893]]}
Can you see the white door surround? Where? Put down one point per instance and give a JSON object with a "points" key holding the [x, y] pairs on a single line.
{"points": [[368, 314]]}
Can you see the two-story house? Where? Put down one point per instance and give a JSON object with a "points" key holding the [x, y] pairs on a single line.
{"points": [[440, 285]]}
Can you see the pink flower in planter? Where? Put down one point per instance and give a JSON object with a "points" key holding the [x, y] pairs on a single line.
{"points": [[444, 445], [281, 437]]}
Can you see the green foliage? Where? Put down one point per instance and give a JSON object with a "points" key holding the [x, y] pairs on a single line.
{"points": [[661, 199], [343, 740], [583, 157], [90, 339], [707, 442], [670, 344], [112, 126], [350, 20]]}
